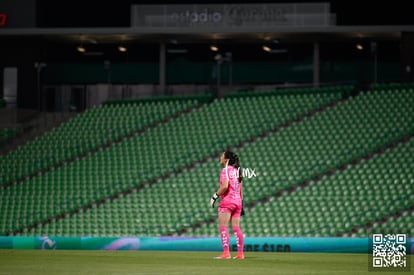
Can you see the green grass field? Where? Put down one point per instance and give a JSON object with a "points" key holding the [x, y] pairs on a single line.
{"points": [[180, 263]]}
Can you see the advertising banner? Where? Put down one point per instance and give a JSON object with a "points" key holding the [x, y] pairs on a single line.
{"points": [[262, 244]]}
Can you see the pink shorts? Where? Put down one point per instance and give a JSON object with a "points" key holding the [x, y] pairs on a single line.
{"points": [[232, 208]]}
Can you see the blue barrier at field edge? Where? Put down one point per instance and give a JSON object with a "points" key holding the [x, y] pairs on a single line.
{"points": [[329, 245]]}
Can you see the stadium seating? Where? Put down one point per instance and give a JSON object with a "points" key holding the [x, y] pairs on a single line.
{"points": [[156, 152], [93, 129], [168, 172], [391, 86], [353, 198], [327, 140], [352, 129]]}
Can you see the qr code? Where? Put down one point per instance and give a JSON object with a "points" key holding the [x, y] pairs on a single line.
{"points": [[389, 251]]}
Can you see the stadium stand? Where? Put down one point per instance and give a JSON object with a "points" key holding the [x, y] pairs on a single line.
{"points": [[90, 131], [353, 201], [313, 152], [158, 151], [311, 149]]}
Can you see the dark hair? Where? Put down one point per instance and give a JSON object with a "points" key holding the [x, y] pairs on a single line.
{"points": [[234, 161]]}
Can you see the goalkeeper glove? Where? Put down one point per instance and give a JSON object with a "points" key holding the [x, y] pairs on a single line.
{"points": [[242, 211], [213, 200]]}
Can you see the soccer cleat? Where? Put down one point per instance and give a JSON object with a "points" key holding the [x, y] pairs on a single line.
{"points": [[225, 255], [239, 256]]}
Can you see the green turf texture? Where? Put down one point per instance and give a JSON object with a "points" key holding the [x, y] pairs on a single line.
{"points": [[179, 263]]}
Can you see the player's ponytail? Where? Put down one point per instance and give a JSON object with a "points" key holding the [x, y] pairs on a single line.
{"points": [[235, 162]]}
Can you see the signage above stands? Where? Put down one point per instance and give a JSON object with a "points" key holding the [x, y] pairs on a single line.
{"points": [[233, 16]]}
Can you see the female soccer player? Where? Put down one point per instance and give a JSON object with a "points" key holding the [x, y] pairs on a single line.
{"points": [[231, 207]]}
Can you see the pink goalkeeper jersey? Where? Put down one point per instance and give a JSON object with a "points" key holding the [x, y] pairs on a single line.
{"points": [[232, 195]]}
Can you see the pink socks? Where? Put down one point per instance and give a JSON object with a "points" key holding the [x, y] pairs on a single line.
{"points": [[225, 238], [239, 238]]}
